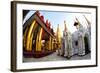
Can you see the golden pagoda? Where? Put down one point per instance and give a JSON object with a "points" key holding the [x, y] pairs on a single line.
{"points": [[58, 37]]}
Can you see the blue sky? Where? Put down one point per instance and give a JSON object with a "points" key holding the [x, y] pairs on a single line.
{"points": [[56, 18]]}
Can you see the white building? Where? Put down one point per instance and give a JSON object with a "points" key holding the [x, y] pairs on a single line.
{"points": [[77, 43], [66, 48], [81, 39]]}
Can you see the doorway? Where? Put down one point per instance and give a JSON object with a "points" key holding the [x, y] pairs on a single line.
{"points": [[86, 45]]}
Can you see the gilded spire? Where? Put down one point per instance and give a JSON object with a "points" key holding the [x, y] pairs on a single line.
{"points": [[58, 37], [58, 30], [58, 33]]}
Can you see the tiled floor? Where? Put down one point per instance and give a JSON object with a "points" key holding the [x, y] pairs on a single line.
{"points": [[55, 57]]}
